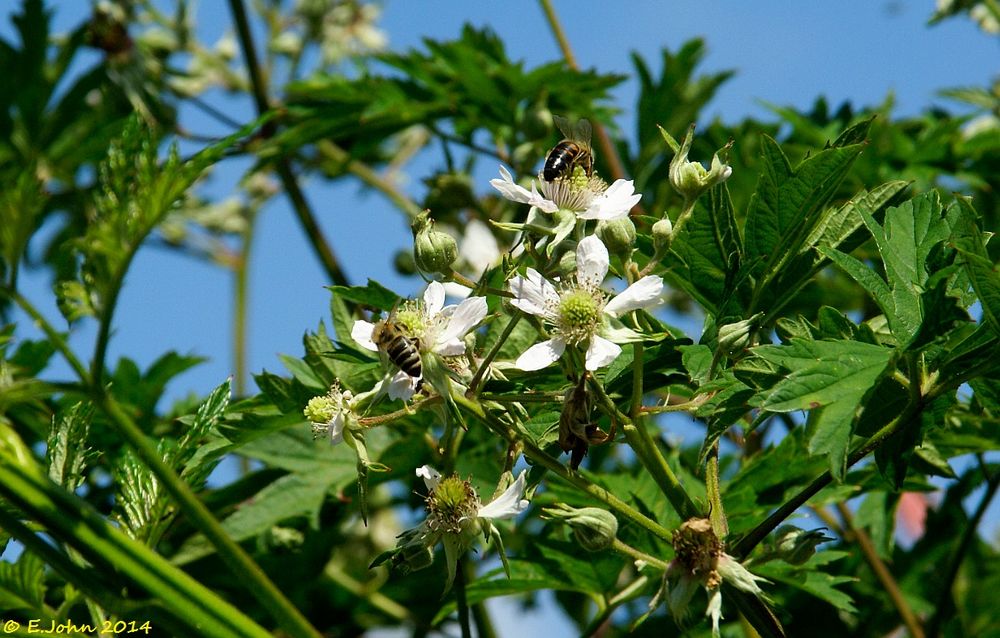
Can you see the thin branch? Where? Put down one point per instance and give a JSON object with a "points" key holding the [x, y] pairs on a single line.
{"points": [[882, 572], [282, 166]]}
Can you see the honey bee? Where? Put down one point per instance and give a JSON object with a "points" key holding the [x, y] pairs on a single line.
{"points": [[401, 349], [574, 150]]}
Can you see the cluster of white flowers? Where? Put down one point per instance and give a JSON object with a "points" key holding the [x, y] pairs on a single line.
{"points": [[578, 314]]}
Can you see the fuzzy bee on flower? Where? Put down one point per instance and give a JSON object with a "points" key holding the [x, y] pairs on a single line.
{"points": [[571, 152]]}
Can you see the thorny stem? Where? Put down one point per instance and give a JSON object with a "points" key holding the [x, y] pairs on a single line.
{"points": [[642, 443], [282, 166], [540, 457], [631, 552], [603, 139], [945, 602], [374, 421], [882, 572]]}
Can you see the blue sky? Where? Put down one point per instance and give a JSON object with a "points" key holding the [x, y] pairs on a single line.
{"points": [[784, 52]]}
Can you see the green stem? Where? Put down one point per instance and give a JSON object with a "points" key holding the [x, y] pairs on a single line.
{"points": [[369, 177], [635, 554], [53, 335], [716, 514], [247, 572], [75, 523], [646, 449], [460, 599], [89, 581], [881, 572], [540, 457], [290, 184], [492, 354]]}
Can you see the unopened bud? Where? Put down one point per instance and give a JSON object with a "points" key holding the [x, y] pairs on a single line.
{"points": [[537, 122], [617, 234], [434, 251], [593, 528], [663, 234], [734, 337], [796, 546], [690, 179]]}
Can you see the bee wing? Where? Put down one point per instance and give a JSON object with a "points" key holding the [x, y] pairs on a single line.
{"points": [[582, 132], [564, 125]]}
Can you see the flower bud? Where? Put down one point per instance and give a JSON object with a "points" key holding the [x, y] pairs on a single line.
{"points": [[617, 234], [663, 234], [734, 337], [593, 528], [537, 122], [690, 179], [796, 546], [434, 251]]}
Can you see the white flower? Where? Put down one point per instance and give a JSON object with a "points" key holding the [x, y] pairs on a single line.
{"points": [[578, 311], [699, 561], [509, 504], [455, 517], [330, 413], [587, 196], [432, 326]]}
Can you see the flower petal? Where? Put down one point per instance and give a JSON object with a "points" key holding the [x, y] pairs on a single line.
{"points": [[517, 193], [614, 203], [714, 610], [335, 429], [362, 333], [463, 319], [541, 355], [600, 352], [508, 504], [644, 293], [532, 293], [434, 298], [431, 476], [479, 248], [402, 386], [456, 290], [591, 260]]}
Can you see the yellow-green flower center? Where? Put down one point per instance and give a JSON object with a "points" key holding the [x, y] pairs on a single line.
{"points": [[411, 319], [321, 409], [452, 505], [579, 313]]}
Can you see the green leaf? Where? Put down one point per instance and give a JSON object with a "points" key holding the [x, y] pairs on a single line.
{"points": [[22, 585], [812, 579], [983, 273], [374, 295], [291, 496], [707, 255], [787, 203], [66, 450], [832, 375]]}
